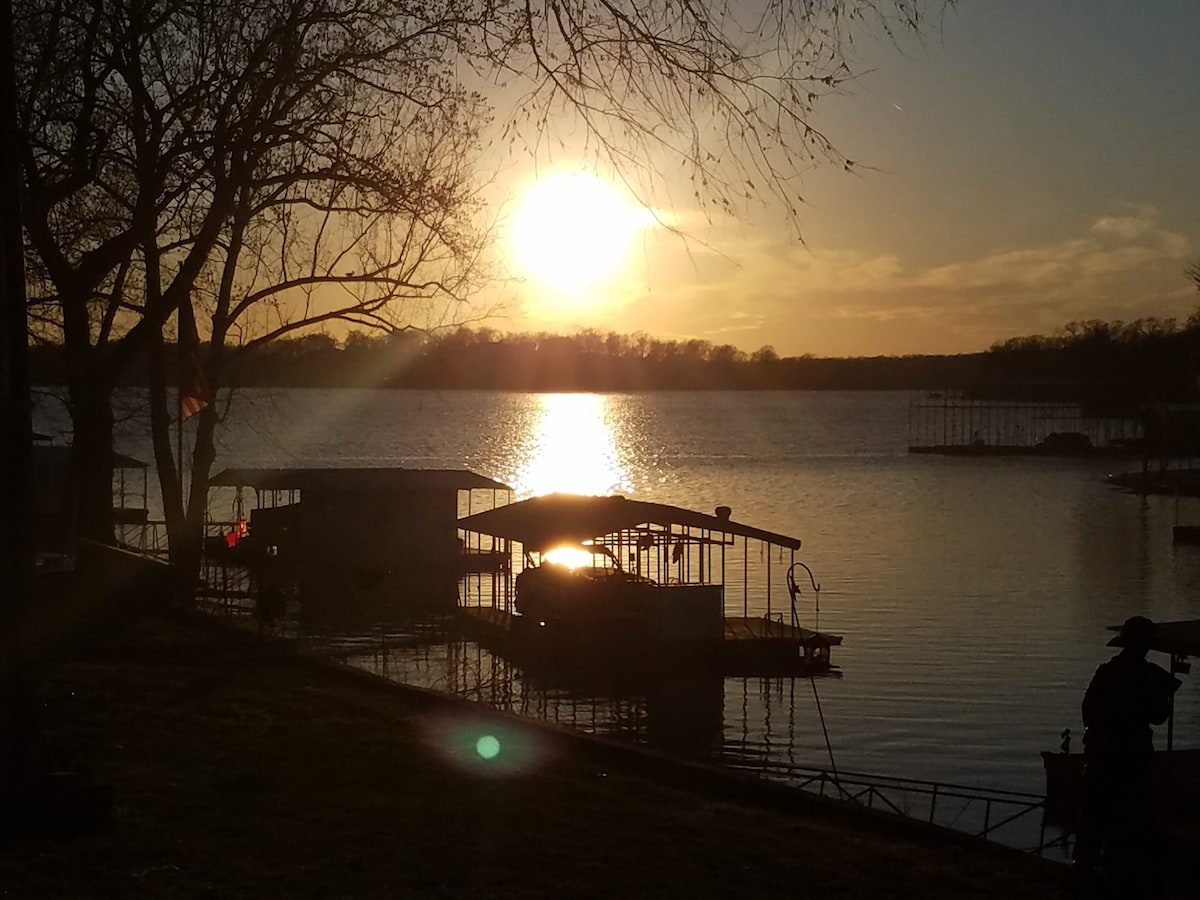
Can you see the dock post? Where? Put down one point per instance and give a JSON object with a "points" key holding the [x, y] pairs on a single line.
{"points": [[791, 595], [1175, 660], [745, 577], [768, 581], [723, 598]]}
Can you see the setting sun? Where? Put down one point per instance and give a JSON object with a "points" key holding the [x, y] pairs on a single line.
{"points": [[569, 557], [573, 229]]}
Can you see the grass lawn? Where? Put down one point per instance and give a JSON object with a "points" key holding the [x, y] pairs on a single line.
{"points": [[240, 771]]}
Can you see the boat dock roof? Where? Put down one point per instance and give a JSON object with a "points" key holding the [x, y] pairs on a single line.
{"points": [[385, 479], [543, 522]]}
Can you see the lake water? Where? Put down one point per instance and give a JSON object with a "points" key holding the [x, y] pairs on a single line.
{"points": [[973, 594]]}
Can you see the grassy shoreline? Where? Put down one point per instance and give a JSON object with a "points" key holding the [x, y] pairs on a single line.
{"points": [[240, 770]]}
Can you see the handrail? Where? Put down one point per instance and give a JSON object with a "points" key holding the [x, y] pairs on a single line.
{"points": [[794, 592], [150, 535], [871, 790], [895, 780]]}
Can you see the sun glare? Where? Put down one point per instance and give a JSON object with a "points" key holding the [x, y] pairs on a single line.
{"points": [[572, 230], [571, 447], [571, 557]]}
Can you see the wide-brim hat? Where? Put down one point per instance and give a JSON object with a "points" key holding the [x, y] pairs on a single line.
{"points": [[1136, 631]]}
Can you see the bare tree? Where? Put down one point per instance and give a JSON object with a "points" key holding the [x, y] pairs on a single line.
{"points": [[165, 142], [278, 164], [364, 233], [725, 91]]}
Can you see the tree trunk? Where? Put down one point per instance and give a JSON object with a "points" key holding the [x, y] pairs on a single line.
{"points": [[184, 514], [203, 455], [18, 692], [91, 456], [183, 554], [89, 394], [192, 538]]}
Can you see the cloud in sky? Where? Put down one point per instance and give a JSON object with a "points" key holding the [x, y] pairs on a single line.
{"points": [[1110, 246], [1128, 227], [803, 299], [755, 287]]}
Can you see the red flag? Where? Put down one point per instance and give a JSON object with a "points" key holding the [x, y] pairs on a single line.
{"points": [[193, 392]]}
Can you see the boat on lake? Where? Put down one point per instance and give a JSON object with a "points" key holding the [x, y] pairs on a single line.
{"points": [[601, 582]]}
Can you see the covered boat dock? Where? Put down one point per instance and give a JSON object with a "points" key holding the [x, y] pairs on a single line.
{"points": [[651, 582], [342, 538]]}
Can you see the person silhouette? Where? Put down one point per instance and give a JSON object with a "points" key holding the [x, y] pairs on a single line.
{"points": [[1126, 696]]}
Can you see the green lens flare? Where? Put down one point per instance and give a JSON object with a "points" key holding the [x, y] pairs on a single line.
{"points": [[487, 747]]}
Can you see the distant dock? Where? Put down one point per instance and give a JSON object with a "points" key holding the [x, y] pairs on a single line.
{"points": [[985, 421]]}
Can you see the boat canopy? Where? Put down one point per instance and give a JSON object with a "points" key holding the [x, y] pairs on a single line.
{"points": [[383, 479], [541, 523]]}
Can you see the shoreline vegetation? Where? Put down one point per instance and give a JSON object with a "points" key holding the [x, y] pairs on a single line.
{"points": [[1147, 360], [240, 769]]}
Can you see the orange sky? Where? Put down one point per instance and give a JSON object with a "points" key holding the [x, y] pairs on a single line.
{"points": [[1032, 164]]}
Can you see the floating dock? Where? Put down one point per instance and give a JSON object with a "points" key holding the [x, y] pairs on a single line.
{"points": [[752, 647], [1022, 420]]}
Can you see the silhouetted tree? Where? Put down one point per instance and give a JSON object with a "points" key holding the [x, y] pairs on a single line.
{"points": [[237, 161], [280, 165]]}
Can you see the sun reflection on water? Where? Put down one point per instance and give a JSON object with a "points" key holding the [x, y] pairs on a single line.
{"points": [[572, 446]]}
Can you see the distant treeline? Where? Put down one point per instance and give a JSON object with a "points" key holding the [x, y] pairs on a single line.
{"points": [[588, 361], [1147, 359], [1150, 356]]}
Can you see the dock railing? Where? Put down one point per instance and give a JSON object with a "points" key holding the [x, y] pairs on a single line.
{"points": [[148, 536], [1009, 817]]}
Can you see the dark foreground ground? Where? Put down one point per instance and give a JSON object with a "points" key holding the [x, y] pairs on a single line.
{"points": [[240, 771]]}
